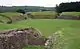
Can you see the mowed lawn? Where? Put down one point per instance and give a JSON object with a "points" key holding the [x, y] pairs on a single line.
{"points": [[71, 30]]}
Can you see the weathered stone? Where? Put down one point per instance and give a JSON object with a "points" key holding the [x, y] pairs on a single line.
{"points": [[18, 38]]}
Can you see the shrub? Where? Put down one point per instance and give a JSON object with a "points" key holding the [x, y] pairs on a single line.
{"points": [[21, 11]]}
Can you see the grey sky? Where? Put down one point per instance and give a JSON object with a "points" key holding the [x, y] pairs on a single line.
{"points": [[46, 3]]}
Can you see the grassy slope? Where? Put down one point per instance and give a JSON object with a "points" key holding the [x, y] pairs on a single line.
{"points": [[8, 14], [43, 14], [47, 27], [71, 13], [11, 14], [4, 19]]}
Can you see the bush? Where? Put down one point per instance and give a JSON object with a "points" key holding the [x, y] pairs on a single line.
{"points": [[21, 11], [68, 7], [9, 22]]}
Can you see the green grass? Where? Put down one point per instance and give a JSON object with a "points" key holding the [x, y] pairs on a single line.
{"points": [[46, 26], [71, 30], [71, 13], [33, 47]]}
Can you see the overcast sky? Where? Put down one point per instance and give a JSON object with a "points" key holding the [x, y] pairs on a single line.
{"points": [[46, 3]]}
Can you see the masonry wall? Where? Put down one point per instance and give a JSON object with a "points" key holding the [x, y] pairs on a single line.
{"points": [[18, 38]]}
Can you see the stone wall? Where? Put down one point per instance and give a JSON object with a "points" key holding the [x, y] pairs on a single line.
{"points": [[12, 40], [18, 38], [17, 18]]}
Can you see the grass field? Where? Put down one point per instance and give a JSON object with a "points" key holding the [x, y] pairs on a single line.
{"points": [[71, 30]]}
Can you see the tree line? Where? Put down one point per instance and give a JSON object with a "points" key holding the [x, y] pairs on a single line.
{"points": [[25, 8], [68, 7]]}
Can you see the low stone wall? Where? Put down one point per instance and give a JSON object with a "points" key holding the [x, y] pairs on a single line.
{"points": [[17, 38], [17, 18]]}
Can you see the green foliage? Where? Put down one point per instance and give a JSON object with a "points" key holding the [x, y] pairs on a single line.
{"points": [[26, 8], [68, 7], [43, 15], [21, 11], [70, 13]]}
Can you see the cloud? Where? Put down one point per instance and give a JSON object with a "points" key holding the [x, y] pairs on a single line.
{"points": [[46, 3]]}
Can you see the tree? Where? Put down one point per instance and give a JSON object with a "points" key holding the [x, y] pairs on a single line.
{"points": [[68, 7], [21, 11], [57, 8]]}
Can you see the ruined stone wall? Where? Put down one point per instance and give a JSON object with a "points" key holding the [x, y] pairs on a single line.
{"points": [[12, 39], [17, 18], [18, 38]]}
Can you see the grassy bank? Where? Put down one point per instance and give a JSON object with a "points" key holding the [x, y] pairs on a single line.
{"points": [[43, 15], [70, 13]]}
